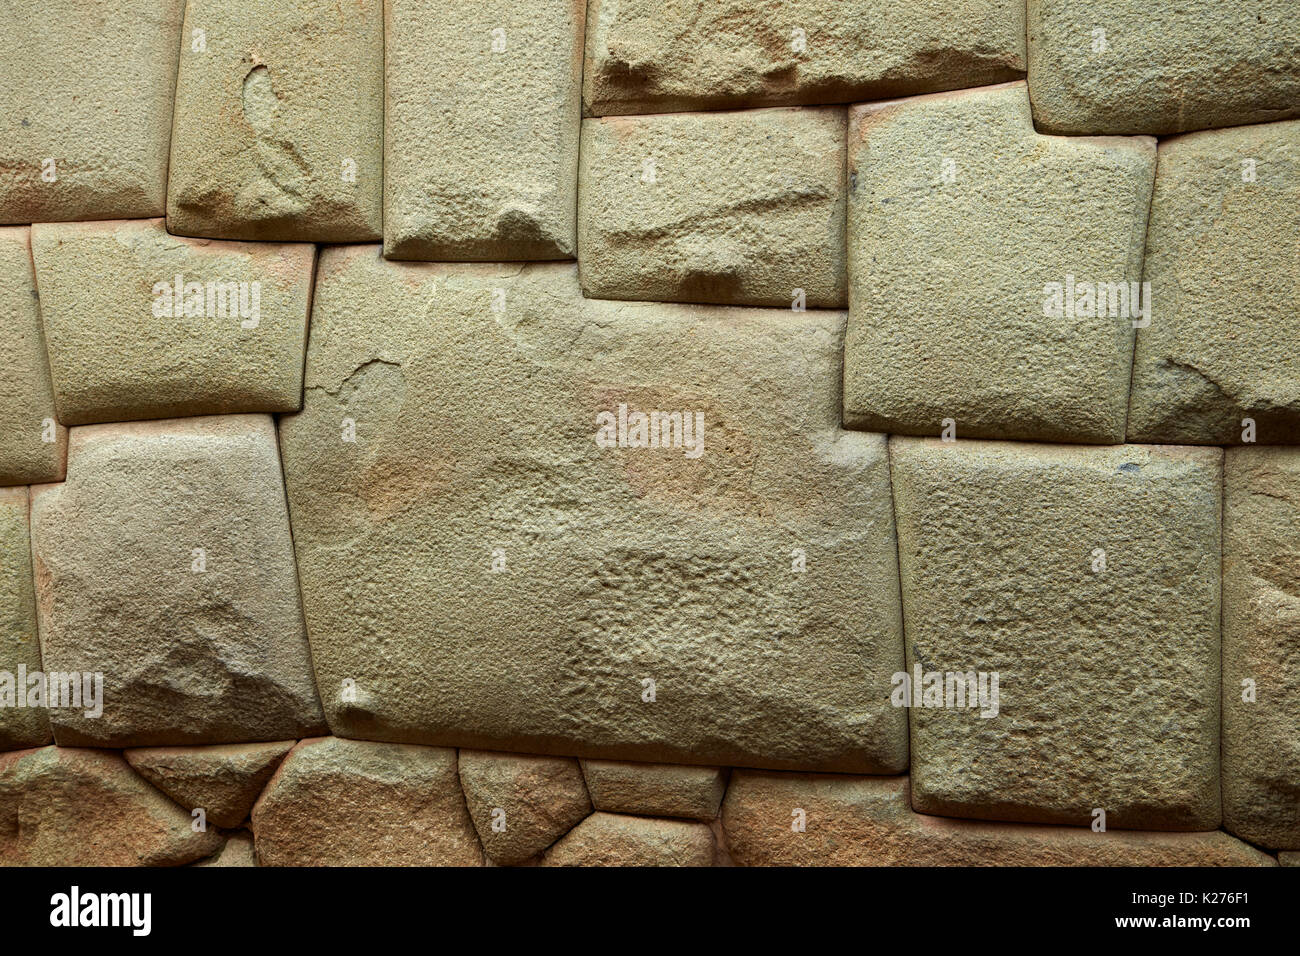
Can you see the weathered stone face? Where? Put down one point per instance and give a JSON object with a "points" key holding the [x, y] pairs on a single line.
{"points": [[1261, 643], [165, 564], [1158, 69], [237, 851], [482, 107], [1288, 859], [738, 208], [223, 781], [950, 280], [621, 573], [647, 56], [88, 108], [865, 821], [279, 122], [609, 839], [1222, 255], [340, 802], [35, 444], [520, 805], [123, 345], [1087, 579], [61, 806], [655, 789], [20, 725]]}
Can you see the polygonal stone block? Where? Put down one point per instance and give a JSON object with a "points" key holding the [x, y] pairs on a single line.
{"points": [[737, 208], [21, 725], [484, 564], [991, 271], [140, 324], [279, 127], [1223, 262], [1085, 581]]}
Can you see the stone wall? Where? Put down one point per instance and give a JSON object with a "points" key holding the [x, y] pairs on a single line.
{"points": [[592, 432]]}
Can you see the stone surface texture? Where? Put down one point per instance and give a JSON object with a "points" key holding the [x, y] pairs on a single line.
{"points": [[651, 56], [481, 124], [223, 780], [611, 839], [1222, 258], [279, 122], [1261, 644], [737, 208], [187, 656], [654, 789], [1088, 580], [336, 802], [1160, 68], [124, 346], [606, 630], [949, 280], [20, 726], [521, 804]]}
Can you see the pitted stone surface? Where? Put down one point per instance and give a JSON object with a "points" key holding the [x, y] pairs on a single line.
{"points": [[960, 217], [481, 117], [622, 573], [88, 108], [737, 208], [647, 56], [62, 806], [238, 852], [866, 821], [20, 726], [223, 781], [1088, 580], [1222, 258], [337, 802], [279, 124], [655, 789], [1145, 66], [124, 346], [521, 804], [610, 839], [35, 445], [1261, 645], [165, 564]]}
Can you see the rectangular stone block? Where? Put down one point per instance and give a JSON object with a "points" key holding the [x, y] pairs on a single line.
{"points": [[972, 240], [481, 116], [88, 108], [1223, 261], [479, 570], [1146, 66], [866, 821], [1086, 581], [279, 126], [736, 208], [141, 324], [165, 578], [35, 445], [1261, 645], [648, 56], [21, 726]]}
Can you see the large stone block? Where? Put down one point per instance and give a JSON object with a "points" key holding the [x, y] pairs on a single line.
{"points": [[610, 839], [521, 804], [355, 803], [968, 233], [63, 806], [88, 108], [1223, 261], [739, 208], [478, 571], [1086, 580], [164, 563], [648, 56], [865, 821], [21, 726], [141, 324], [481, 116], [35, 445], [1146, 66], [1261, 646], [279, 126], [224, 780]]}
